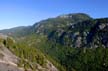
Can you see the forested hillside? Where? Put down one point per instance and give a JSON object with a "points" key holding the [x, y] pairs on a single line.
{"points": [[19, 56], [72, 42]]}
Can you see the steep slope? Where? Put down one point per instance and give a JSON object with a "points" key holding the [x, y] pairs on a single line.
{"points": [[8, 61], [85, 34], [75, 30], [46, 26], [60, 22], [20, 57], [90, 33], [76, 42]]}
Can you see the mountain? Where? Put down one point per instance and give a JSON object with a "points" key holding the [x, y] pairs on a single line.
{"points": [[8, 61], [71, 42], [90, 33], [60, 22], [49, 24], [17, 31], [75, 30], [20, 57]]}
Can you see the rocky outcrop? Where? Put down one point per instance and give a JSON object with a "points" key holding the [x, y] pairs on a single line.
{"points": [[8, 61]]}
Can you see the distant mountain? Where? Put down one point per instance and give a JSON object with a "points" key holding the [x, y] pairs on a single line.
{"points": [[75, 30], [89, 33], [51, 24], [72, 42], [17, 31]]}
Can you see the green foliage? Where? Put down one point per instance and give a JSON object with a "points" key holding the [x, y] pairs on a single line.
{"points": [[73, 59], [9, 42], [29, 56], [40, 42], [1, 40], [78, 59], [57, 37]]}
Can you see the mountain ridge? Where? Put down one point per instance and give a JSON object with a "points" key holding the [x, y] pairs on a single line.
{"points": [[75, 41]]}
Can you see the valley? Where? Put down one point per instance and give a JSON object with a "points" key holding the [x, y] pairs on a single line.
{"points": [[71, 42]]}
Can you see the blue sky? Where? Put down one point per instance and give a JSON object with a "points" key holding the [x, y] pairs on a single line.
{"points": [[26, 12]]}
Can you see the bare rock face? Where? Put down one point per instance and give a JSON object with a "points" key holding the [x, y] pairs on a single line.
{"points": [[78, 42], [49, 67], [9, 67], [8, 61]]}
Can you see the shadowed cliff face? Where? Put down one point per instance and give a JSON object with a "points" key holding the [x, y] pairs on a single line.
{"points": [[61, 38], [98, 34], [73, 30], [89, 33]]}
